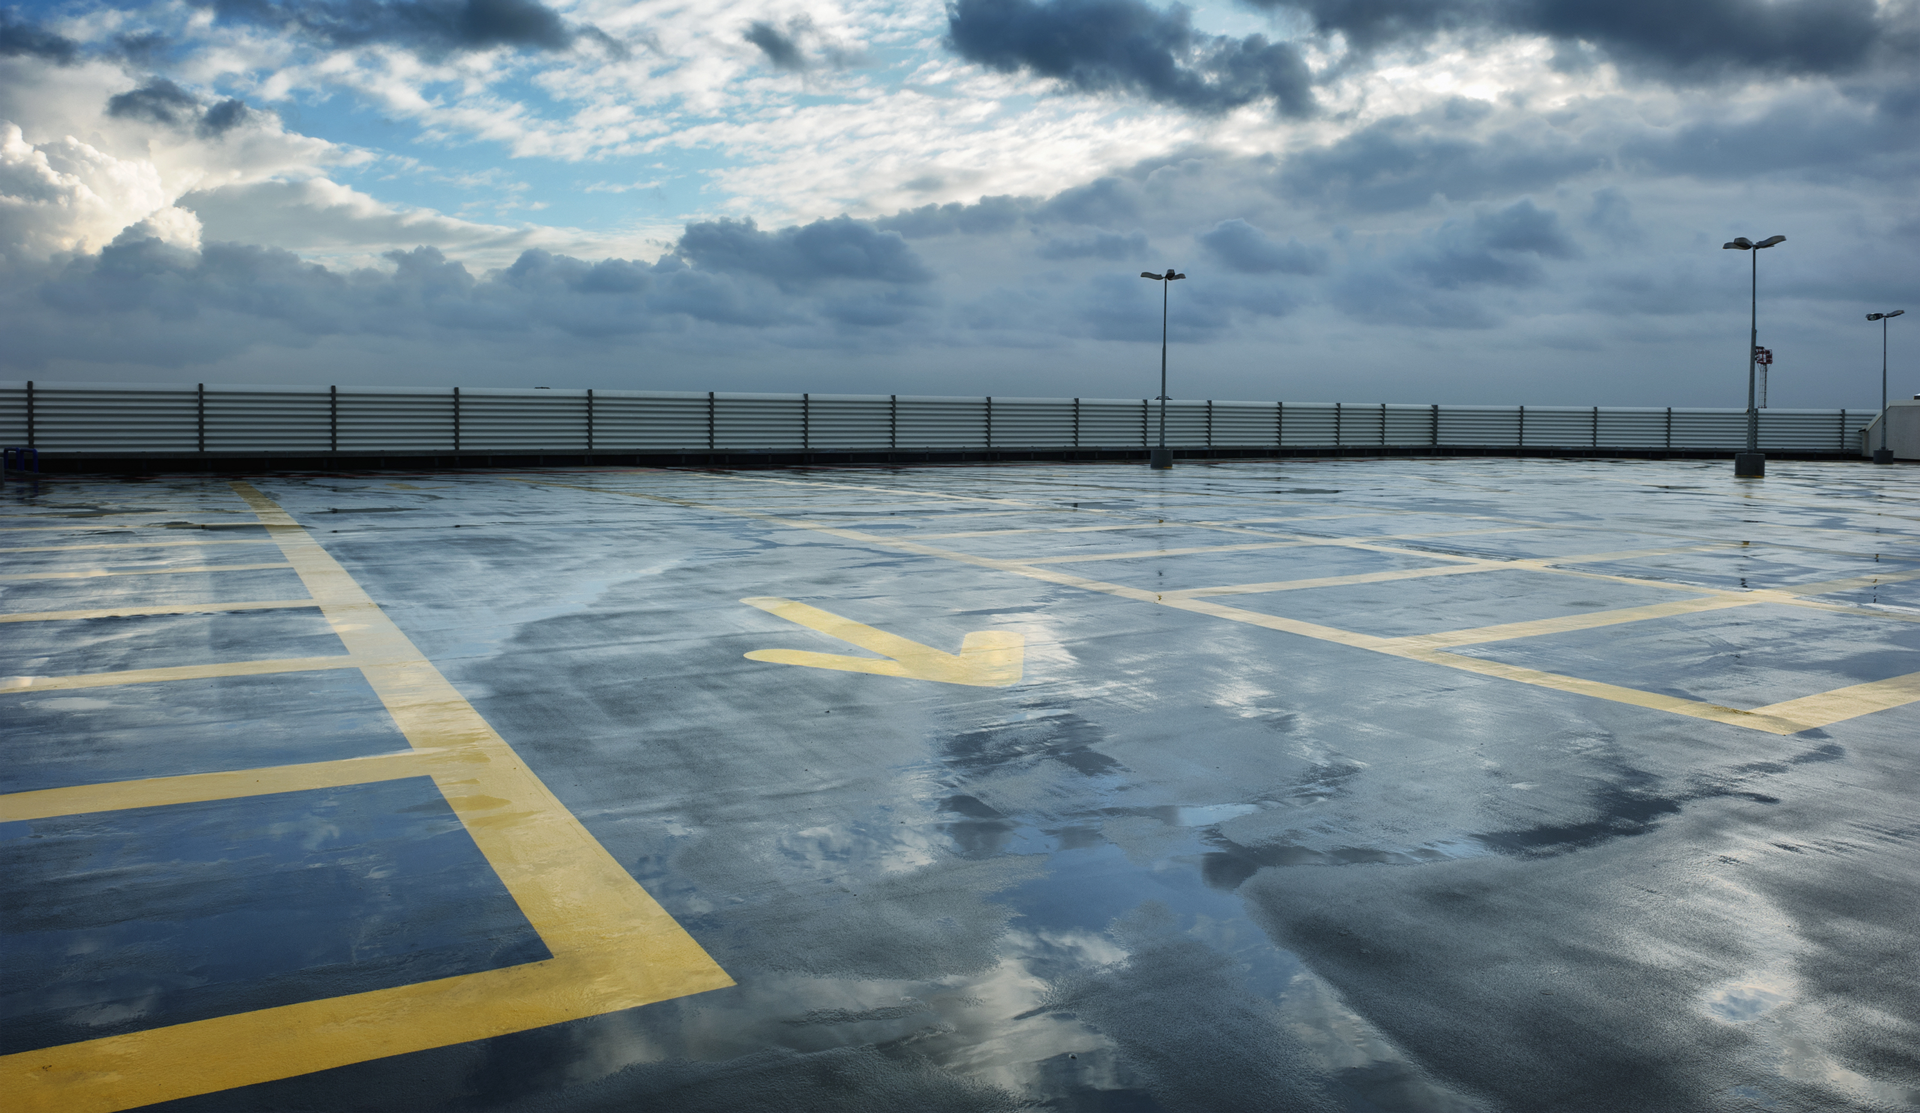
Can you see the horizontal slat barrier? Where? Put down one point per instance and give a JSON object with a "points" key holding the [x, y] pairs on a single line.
{"points": [[117, 420]]}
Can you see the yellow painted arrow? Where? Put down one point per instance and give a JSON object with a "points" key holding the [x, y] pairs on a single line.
{"points": [[987, 658]]}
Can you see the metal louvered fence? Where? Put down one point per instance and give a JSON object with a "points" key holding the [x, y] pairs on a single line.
{"points": [[76, 422]]}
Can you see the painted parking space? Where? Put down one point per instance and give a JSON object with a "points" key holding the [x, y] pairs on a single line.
{"points": [[920, 789]]}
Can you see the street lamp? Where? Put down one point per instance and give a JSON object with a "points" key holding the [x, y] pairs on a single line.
{"points": [[1752, 462], [1883, 454], [1160, 457]]}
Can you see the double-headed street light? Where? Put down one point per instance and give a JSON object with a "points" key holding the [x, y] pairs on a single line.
{"points": [[1160, 457], [1883, 454], [1752, 462]]}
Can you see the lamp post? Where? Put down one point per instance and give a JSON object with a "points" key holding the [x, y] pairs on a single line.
{"points": [[1752, 462], [1883, 454], [1160, 457]]}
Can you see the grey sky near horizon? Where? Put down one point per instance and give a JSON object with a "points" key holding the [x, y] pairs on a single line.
{"points": [[1409, 201]]}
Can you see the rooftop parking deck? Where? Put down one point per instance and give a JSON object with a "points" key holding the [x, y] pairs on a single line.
{"points": [[1422, 785]]}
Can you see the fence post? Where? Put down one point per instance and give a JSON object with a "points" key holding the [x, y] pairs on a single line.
{"points": [[1336, 425], [1433, 435], [709, 421], [893, 422], [989, 421], [1279, 425], [1076, 423], [589, 419], [1522, 441], [30, 429], [806, 435], [1209, 423], [456, 419], [1383, 425], [1144, 441], [1669, 428], [1596, 427], [1843, 428], [333, 419], [200, 416]]}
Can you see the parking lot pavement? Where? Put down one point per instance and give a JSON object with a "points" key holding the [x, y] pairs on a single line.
{"points": [[1354, 784]]}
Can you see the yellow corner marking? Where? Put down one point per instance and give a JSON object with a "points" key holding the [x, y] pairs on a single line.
{"points": [[613, 946], [155, 792], [94, 572], [987, 658], [174, 672], [177, 608]]}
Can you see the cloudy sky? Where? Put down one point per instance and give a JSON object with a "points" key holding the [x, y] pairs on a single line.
{"points": [[1374, 200]]}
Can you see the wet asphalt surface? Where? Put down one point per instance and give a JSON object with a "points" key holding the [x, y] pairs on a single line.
{"points": [[1185, 862]]}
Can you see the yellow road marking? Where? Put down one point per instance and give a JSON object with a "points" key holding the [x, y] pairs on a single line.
{"points": [[1567, 623], [614, 947], [93, 572], [1827, 708], [1076, 558], [176, 608], [1338, 581], [142, 545], [174, 672], [1766, 719], [1037, 529], [191, 788], [987, 658]]}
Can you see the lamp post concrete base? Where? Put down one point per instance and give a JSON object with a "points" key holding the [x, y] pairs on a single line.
{"points": [[1883, 455], [1750, 465], [1160, 458]]}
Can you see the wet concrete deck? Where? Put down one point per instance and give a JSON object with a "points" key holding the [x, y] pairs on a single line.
{"points": [[1342, 785]]}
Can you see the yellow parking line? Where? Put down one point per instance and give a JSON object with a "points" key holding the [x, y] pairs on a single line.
{"points": [[1568, 623], [93, 572], [1339, 581], [1827, 708], [174, 672], [176, 608], [1758, 719], [1075, 558], [190, 788], [141, 545], [1038, 529]]}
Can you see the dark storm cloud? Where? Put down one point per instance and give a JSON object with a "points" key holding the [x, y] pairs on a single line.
{"points": [[1100, 245], [1440, 281], [160, 101], [426, 26], [1500, 248], [1406, 161], [1246, 249], [172, 305], [798, 257], [1127, 46], [1809, 138], [1700, 38], [782, 52], [29, 40], [987, 216]]}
